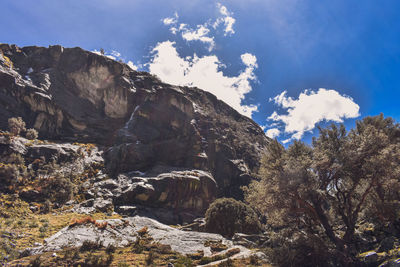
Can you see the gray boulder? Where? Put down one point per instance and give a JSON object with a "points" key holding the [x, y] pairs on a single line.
{"points": [[121, 232]]}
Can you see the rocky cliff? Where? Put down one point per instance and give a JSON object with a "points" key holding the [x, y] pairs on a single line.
{"points": [[164, 145]]}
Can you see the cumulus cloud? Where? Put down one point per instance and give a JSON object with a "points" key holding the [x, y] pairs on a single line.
{"points": [[115, 55], [205, 73], [227, 20], [310, 108], [171, 20], [202, 32], [249, 60], [272, 133], [131, 65]]}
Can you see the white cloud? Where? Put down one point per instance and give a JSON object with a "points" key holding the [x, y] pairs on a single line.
{"points": [[227, 20], [204, 72], [116, 54], [200, 34], [312, 107], [96, 52], [131, 65], [249, 60], [272, 133], [171, 20], [111, 56]]}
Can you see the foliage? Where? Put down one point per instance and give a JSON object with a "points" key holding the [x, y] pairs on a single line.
{"points": [[227, 216], [16, 125], [58, 188], [89, 245], [32, 134], [12, 168], [7, 60], [184, 261], [323, 190]]}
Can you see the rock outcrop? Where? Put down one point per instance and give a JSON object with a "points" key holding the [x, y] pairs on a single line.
{"points": [[122, 232], [191, 146]]}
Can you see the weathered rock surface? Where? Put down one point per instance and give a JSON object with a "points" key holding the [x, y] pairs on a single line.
{"points": [[250, 241], [69, 95], [121, 232]]}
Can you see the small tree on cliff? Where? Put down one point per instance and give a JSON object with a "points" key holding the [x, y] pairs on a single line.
{"points": [[322, 190], [16, 125]]}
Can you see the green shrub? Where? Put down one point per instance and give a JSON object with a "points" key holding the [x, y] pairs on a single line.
{"points": [[227, 216], [295, 249], [98, 260], [59, 189], [89, 245], [16, 125], [138, 246], [184, 261], [228, 263], [31, 134]]}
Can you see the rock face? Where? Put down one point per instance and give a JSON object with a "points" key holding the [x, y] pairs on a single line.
{"points": [[206, 148]]}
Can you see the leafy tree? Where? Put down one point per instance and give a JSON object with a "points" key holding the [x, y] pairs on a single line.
{"points": [[323, 190]]}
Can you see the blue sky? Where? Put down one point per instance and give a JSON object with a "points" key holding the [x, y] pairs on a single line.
{"points": [[349, 47]]}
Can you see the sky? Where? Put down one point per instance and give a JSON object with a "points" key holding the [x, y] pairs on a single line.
{"points": [[290, 65]]}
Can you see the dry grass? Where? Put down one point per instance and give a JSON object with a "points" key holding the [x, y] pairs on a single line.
{"points": [[26, 225]]}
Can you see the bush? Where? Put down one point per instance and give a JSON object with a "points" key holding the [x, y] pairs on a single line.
{"points": [[31, 134], [184, 261], [12, 167], [16, 125], [59, 189], [296, 249], [138, 246], [89, 245], [227, 216]]}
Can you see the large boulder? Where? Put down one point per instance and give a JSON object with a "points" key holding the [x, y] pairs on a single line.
{"points": [[121, 232]]}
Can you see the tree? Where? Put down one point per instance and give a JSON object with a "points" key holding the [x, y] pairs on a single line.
{"points": [[325, 188], [16, 125]]}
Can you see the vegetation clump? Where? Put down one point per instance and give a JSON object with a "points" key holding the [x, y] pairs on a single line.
{"points": [[32, 134], [319, 193], [227, 216], [16, 125]]}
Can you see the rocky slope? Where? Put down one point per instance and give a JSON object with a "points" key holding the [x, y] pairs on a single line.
{"points": [[164, 146]]}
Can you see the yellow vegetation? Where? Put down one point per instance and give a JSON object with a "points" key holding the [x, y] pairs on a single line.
{"points": [[7, 60]]}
